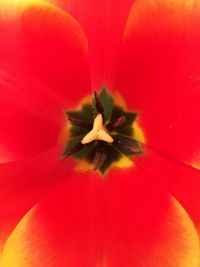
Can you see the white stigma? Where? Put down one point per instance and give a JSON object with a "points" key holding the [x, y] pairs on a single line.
{"points": [[98, 132]]}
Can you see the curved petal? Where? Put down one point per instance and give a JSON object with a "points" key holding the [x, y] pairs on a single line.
{"points": [[30, 121], [43, 65], [181, 180], [46, 42], [22, 183], [159, 73], [88, 221], [103, 22]]}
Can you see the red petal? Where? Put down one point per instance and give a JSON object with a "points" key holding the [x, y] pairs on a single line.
{"points": [[179, 179], [22, 184], [103, 22], [159, 73], [121, 221], [48, 44], [30, 121], [42, 52], [174, 128]]}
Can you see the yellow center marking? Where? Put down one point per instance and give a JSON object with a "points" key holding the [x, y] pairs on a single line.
{"points": [[98, 132]]}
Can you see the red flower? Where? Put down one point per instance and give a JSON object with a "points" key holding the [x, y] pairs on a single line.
{"points": [[149, 215]]}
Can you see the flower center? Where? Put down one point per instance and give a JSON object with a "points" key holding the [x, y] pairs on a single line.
{"points": [[103, 134]]}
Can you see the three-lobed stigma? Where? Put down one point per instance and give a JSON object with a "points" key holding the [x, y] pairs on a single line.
{"points": [[98, 132]]}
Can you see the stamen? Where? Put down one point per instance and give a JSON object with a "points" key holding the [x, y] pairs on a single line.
{"points": [[117, 123], [99, 158], [80, 123], [120, 121], [98, 103], [126, 145], [73, 150]]}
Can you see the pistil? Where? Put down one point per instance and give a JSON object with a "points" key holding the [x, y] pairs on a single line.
{"points": [[98, 132]]}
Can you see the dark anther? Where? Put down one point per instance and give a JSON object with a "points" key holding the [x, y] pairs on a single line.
{"points": [[73, 150], [99, 158], [130, 146], [120, 121], [115, 124], [98, 104], [81, 123]]}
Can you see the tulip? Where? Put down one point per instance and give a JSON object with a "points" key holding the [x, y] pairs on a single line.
{"points": [[53, 54]]}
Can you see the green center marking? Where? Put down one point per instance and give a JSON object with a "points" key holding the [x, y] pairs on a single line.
{"points": [[117, 122]]}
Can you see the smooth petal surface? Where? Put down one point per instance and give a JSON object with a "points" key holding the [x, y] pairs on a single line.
{"points": [[30, 121], [48, 43], [103, 22], [43, 66], [159, 73], [121, 221], [22, 183], [181, 180]]}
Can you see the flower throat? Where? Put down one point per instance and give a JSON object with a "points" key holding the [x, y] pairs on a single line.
{"points": [[102, 134]]}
